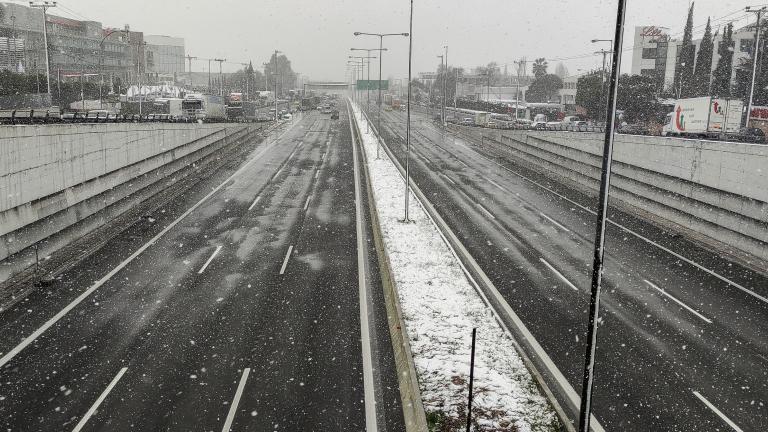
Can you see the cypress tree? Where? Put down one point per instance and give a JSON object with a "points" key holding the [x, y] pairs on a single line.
{"points": [[721, 77], [683, 81], [702, 75]]}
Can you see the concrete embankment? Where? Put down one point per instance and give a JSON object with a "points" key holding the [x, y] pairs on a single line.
{"points": [[59, 182], [709, 190]]}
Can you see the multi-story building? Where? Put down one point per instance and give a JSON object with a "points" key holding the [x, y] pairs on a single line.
{"points": [[655, 52], [165, 56], [83, 48]]}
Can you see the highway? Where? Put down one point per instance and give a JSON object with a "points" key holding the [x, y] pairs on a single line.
{"points": [[236, 306], [683, 339]]}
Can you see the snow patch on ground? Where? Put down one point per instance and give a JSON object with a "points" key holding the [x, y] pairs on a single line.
{"points": [[440, 308]]}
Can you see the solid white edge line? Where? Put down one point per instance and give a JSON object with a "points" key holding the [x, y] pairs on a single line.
{"points": [[485, 210], [317, 172], [497, 185], [629, 231], [558, 224], [95, 406], [688, 308], [306, 204], [285, 261], [258, 198], [236, 401], [216, 252], [448, 178], [53, 320], [541, 353], [365, 337], [560, 275], [717, 411]]}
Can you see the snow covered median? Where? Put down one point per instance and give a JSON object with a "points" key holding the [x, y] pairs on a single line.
{"points": [[440, 307]]}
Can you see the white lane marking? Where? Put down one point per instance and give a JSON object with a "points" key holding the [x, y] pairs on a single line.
{"points": [[486, 211], [95, 406], [448, 178], [36, 334], [236, 401], [497, 185], [258, 198], [462, 162], [317, 173], [629, 231], [555, 222], [285, 261], [306, 204], [277, 174], [560, 275], [689, 309], [216, 252], [717, 411], [365, 338]]}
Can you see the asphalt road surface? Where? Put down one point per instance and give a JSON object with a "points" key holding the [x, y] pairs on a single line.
{"points": [[236, 307], [680, 349]]}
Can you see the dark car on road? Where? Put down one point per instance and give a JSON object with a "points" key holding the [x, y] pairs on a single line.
{"points": [[335, 115]]}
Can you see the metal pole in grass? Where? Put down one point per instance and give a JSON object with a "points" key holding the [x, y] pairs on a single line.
{"points": [[408, 116], [471, 379], [599, 248]]}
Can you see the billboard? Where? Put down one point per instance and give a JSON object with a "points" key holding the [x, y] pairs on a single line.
{"points": [[372, 84]]}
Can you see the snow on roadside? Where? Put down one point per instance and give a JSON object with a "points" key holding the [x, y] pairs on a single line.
{"points": [[440, 308]]}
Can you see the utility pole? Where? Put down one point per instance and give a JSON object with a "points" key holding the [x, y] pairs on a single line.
{"points": [[519, 64], [442, 91], [275, 77], [44, 5], [445, 83], [189, 59], [755, 58], [221, 77]]}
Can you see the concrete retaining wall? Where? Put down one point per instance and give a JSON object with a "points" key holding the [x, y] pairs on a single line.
{"points": [[716, 190], [54, 176]]}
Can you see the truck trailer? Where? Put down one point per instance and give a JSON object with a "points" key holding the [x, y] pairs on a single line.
{"points": [[703, 117]]}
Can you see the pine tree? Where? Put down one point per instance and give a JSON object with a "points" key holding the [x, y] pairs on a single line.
{"points": [[702, 75], [721, 77], [683, 81]]}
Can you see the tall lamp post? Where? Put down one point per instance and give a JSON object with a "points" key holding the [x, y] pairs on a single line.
{"points": [[408, 116], [362, 64], [381, 59], [755, 55], [442, 97], [602, 74], [275, 77], [602, 211], [368, 86], [44, 5]]}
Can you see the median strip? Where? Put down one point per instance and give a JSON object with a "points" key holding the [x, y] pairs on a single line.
{"points": [[440, 307]]}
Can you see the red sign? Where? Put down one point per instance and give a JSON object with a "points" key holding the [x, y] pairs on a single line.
{"points": [[651, 31], [759, 113]]}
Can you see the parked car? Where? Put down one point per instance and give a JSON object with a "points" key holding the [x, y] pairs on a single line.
{"points": [[287, 116], [748, 135], [467, 121], [633, 129], [335, 115]]}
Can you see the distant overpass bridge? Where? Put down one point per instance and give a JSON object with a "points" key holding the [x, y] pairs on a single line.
{"points": [[328, 86]]}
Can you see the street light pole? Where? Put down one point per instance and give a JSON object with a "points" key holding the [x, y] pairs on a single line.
{"points": [[442, 96], [602, 74], [368, 86], [602, 211], [275, 76], [408, 117], [44, 6], [445, 83], [381, 59], [755, 57]]}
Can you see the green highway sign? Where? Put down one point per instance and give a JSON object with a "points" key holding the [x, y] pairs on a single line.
{"points": [[372, 84]]}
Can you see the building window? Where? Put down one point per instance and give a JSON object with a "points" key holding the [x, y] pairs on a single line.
{"points": [[745, 45], [649, 53]]}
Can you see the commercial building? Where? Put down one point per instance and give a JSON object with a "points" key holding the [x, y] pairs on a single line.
{"points": [[83, 48], [655, 52], [165, 56]]}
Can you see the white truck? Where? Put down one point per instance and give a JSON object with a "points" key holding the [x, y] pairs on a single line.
{"points": [[703, 117]]}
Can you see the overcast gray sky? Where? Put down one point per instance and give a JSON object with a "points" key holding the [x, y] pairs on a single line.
{"points": [[316, 35]]}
